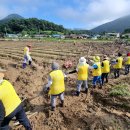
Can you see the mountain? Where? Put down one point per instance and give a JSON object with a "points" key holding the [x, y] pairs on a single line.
{"points": [[10, 17], [118, 25], [14, 24]]}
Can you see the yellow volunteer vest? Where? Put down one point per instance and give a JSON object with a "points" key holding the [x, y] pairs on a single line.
{"points": [[106, 67], [58, 85], [119, 63], [128, 60], [83, 72], [9, 97], [97, 72]]}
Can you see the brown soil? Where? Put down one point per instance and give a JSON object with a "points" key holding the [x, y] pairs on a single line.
{"points": [[97, 112]]}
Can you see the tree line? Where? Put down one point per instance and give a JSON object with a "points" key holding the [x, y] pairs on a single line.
{"points": [[33, 26], [30, 26]]}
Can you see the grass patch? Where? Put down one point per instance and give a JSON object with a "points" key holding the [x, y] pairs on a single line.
{"points": [[120, 90]]}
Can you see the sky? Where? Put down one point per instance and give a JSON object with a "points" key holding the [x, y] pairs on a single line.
{"points": [[72, 14]]}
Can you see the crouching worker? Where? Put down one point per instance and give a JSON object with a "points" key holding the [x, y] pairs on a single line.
{"points": [[96, 72], [105, 69], [10, 105], [27, 57], [127, 64], [56, 85], [82, 70], [118, 65]]}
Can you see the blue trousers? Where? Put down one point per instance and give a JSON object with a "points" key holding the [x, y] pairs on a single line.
{"points": [[97, 79], [20, 115]]}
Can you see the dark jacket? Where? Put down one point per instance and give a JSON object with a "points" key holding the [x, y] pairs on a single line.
{"points": [[2, 112]]}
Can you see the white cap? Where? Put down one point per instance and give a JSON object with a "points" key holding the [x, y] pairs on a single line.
{"points": [[82, 60], [55, 66]]}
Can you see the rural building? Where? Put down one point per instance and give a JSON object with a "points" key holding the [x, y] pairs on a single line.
{"points": [[126, 35], [95, 37], [58, 36], [40, 36], [12, 35], [112, 35]]}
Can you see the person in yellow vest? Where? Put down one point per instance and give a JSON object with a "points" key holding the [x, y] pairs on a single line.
{"points": [[96, 72], [127, 64], [118, 65], [10, 105], [105, 69], [82, 70], [27, 57], [56, 85]]}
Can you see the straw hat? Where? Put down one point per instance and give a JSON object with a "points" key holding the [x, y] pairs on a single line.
{"points": [[105, 57], [29, 45]]}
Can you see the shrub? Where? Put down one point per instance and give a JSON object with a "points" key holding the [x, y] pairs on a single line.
{"points": [[120, 90]]}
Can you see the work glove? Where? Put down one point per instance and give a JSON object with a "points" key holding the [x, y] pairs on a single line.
{"points": [[47, 89]]}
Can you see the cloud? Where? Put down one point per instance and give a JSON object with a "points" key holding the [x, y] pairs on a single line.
{"points": [[72, 14], [95, 12], [30, 8]]}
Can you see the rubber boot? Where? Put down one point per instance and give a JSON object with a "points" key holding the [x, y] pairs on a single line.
{"points": [[94, 86], [86, 90], [100, 87], [62, 103], [76, 93], [30, 62], [106, 80], [24, 65], [52, 108]]}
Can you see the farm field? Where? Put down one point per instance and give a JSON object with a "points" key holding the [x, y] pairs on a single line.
{"points": [[102, 111]]}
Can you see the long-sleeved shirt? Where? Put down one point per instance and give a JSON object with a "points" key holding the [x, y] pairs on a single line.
{"points": [[76, 70], [27, 53]]}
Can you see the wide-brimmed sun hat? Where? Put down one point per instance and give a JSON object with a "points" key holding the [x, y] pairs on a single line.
{"points": [[96, 58], [82, 60], [105, 57], [29, 45]]}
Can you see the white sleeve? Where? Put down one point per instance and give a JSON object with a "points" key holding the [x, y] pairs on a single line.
{"points": [[49, 82], [28, 55], [65, 75], [77, 68], [90, 67]]}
